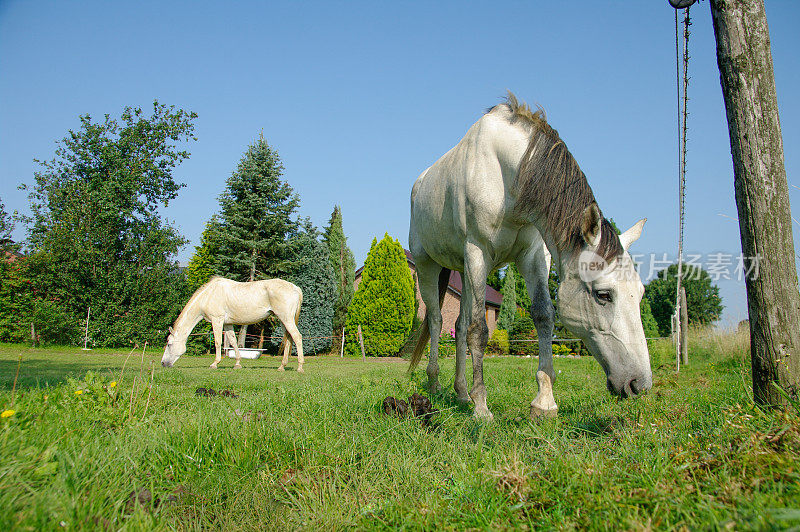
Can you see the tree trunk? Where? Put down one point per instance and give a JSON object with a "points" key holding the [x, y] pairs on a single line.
{"points": [[762, 197]]}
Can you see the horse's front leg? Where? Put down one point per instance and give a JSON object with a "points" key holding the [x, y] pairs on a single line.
{"points": [[477, 331], [535, 268], [216, 325], [232, 340]]}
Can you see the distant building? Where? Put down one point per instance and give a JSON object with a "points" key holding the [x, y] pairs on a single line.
{"points": [[452, 299]]}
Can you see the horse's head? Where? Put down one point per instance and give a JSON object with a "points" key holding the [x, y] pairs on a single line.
{"points": [[174, 349], [598, 300]]}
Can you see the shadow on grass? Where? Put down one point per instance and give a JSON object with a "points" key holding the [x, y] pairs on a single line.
{"points": [[38, 373], [596, 426]]}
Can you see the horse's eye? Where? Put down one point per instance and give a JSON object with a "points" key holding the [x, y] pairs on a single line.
{"points": [[604, 295]]}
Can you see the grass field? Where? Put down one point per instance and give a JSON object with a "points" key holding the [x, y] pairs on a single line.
{"points": [[137, 449]]}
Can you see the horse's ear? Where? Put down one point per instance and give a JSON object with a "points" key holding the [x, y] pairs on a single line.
{"points": [[591, 224], [632, 235], [171, 330]]}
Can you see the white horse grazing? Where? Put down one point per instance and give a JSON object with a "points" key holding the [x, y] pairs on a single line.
{"points": [[225, 303], [510, 191]]}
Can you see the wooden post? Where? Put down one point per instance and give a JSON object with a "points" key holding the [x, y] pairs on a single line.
{"points": [[762, 197], [361, 342], [341, 353], [33, 335], [684, 329]]}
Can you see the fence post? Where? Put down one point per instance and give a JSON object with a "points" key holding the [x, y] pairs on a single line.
{"points": [[684, 328], [341, 353], [361, 342]]}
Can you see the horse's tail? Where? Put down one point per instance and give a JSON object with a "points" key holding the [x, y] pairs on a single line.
{"points": [[299, 304], [424, 330]]}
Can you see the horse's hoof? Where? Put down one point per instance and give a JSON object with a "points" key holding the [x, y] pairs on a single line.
{"points": [[300, 370], [434, 387], [280, 368], [213, 366], [464, 399], [237, 366], [483, 414], [542, 413]]}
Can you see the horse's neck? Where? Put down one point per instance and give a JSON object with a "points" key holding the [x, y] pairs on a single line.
{"points": [[189, 318], [510, 153]]}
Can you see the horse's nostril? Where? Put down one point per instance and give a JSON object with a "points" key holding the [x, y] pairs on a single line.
{"points": [[634, 385]]}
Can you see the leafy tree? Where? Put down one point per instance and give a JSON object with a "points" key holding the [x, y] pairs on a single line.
{"points": [[703, 303], [384, 303], [316, 278], [256, 223], [649, 323], [95, 236], [343, 265], [508, 308], [6, 227]]}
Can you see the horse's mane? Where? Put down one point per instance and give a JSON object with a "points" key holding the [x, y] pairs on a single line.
{"points": [[551, 185]]}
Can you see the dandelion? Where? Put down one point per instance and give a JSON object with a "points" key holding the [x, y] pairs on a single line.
{"points": [[78, 392], [112, 384], [8, 413]]}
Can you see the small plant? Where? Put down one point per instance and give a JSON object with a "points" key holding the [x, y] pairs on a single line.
{"points": [[498, 342]]}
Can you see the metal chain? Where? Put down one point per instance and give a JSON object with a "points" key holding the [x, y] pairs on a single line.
{"points": [[682, 136]]}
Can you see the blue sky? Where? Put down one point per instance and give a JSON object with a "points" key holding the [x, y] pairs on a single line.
{"points": [[360, 97]]}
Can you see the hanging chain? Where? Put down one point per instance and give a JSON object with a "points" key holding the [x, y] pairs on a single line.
{"points": [[682, 136]]}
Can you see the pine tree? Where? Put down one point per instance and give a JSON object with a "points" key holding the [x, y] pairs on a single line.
{"points": [[256, 228], [508, 309], [316, 278], [343, 264], [256, 221], [384, 303]]}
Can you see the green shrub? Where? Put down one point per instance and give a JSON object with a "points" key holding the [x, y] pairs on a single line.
{"points": [[498, 342], [384, 303]]}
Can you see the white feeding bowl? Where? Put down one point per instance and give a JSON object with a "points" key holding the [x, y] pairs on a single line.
{"points": [[246, 353]]}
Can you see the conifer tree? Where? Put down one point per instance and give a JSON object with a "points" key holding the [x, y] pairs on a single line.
{"points": [[508, 309], [316, 278], [204, 263], [343, 265], [384, 303], [257, 224]]}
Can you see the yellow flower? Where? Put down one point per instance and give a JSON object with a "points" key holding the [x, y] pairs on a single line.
{"points": [[112, 384], [8, 413], [78, 392]]}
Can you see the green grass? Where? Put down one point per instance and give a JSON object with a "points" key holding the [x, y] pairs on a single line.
{"points": [[314, 451]]}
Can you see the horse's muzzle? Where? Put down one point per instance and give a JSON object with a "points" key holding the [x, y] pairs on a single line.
{"points": [[631, 388]]}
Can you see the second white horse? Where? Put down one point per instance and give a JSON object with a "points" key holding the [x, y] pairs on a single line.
{"points": [[226, 303]]}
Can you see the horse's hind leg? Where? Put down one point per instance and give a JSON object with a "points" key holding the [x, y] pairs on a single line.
{"points": [[535, 268], [286, 347], [291, 329], [460, 382], [428, 278], [233, 341]]}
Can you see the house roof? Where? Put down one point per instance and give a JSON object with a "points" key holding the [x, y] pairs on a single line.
{"points": [[455, 285]]}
